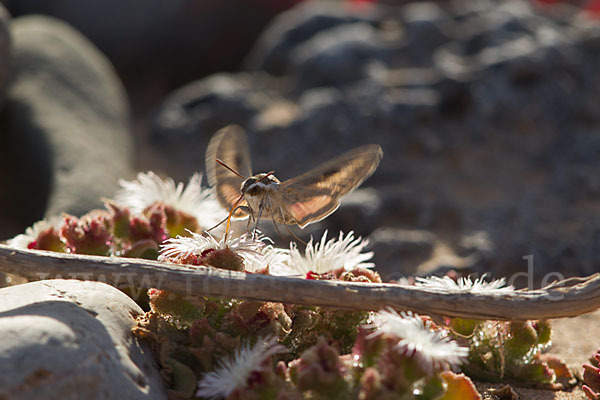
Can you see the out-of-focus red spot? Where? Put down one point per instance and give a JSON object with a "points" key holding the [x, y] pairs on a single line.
{"points": [[360, 5], [593, 7], [312, 275]]}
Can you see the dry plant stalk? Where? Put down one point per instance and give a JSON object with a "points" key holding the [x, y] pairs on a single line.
{"points": [[566, 298]]}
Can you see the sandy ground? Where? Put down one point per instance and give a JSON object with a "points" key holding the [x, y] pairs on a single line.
{"points": [[532, 394], [574, 340]]}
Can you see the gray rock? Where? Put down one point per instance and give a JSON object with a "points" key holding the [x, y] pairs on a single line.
{"points": [[65, 125], [5, 58], [184, 123], [69, 339], [324, 60], [273, 51], [161, 44], [487, 114], [399, 252], [204, 106], [360, 211]]}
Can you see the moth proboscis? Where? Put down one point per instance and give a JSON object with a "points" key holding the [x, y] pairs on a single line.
{"points": [[302, 200]]}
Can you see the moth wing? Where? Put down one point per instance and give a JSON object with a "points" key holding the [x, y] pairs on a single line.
{"points": [[230, 145], [314, 195]]}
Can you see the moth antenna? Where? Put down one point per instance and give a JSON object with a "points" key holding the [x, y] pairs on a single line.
{"points": [[266, 176], [229, 168]]}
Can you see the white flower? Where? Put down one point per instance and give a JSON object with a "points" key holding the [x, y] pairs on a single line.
{"points": [[31, 234], [329, 255], [272, 257], [433, 350], [465, 285], [234, 372], [181, 247], [194, 200]]}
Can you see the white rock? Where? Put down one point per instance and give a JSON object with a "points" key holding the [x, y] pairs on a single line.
{"points": [[69, 339]]}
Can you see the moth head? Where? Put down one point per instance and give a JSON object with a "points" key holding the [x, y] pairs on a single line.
{"points": [[258, 184]]}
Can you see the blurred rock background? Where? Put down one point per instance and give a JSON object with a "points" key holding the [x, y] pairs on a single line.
{"points": [[488, 114]]}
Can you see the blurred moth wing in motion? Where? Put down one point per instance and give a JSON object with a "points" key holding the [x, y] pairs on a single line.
{"points": [[302, 200]]}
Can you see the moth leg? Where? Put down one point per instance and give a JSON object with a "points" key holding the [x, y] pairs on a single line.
{"points": [[275, 225], [260, 211], [294, 235], [235, 206], [248, 211], [250, 218]]}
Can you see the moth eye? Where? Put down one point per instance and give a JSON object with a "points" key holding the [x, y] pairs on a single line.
{"points": [[253, 191], [247, 183]]}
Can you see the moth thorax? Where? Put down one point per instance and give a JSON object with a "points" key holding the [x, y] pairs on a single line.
{"points": [[259, 183]]}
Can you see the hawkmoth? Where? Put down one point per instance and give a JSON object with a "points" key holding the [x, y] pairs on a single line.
{"points": [[302, 200]]}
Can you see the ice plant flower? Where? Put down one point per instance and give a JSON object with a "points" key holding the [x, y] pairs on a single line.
{"points": [[227, 253], [273, 260], [432, 349], [194, 200], [233, 373], [45, 231], [324, 256], [465, 285], [90, 234]]}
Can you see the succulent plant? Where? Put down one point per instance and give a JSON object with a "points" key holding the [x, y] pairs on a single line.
{"points": [[244, 349], [591, 377]]}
